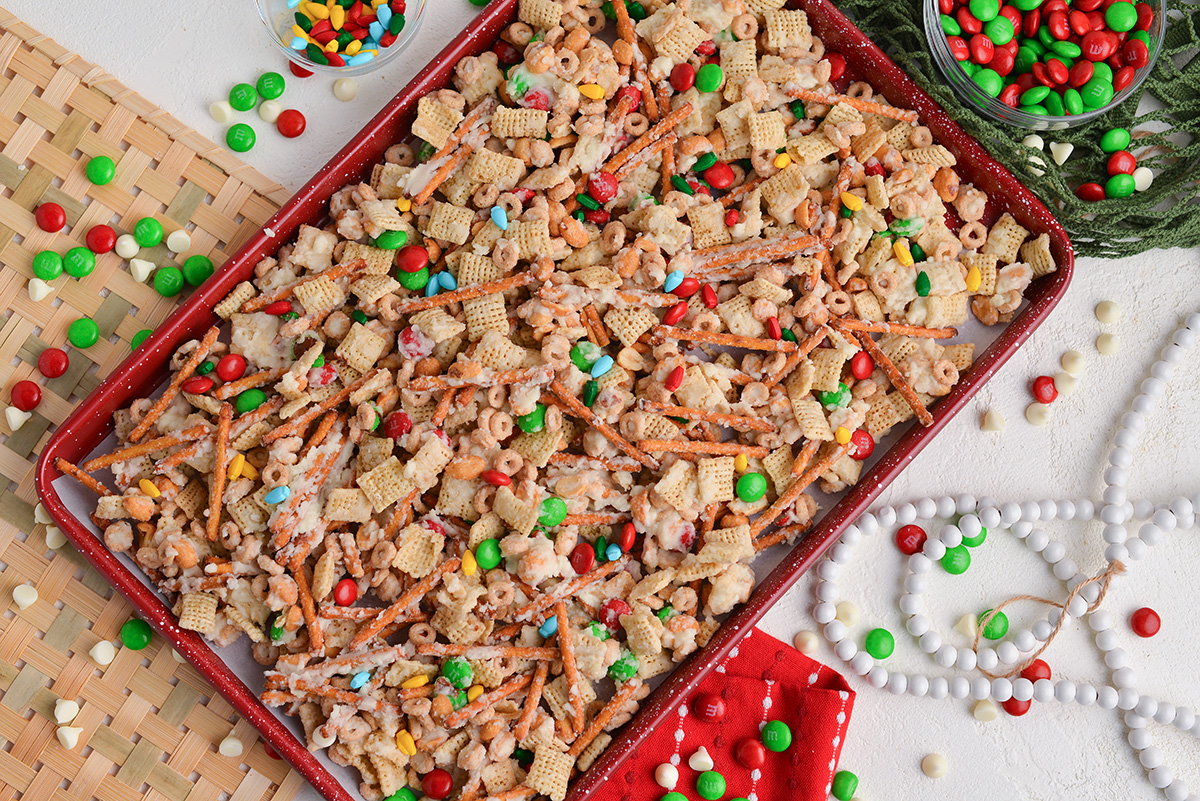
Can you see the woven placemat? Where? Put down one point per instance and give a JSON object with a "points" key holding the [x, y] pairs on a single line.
{"points": [[150, 723]]}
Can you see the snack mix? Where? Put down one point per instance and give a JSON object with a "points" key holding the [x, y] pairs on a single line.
{"points": [[497, 445]]}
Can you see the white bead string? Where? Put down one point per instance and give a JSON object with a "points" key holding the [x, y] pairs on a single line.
{"points": [[1117, 514]]}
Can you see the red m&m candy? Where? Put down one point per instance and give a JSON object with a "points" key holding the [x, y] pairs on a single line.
{"points": [[627, 536], [397, 425], [346, 592], [290, 123], [26, 395], [1044, 390], [101, 239], [862, 365], [53, 362], [1145, 622], [231, 367], [197, 385], [610, 612], [750, 754], [496, 478], [50, 217], [412, 258], [683, 77], [862, 444], [602, 186], [708, 707], [719, 175], [1015, 708], [1037, 669], [582, 558], [910, 539], [437, 784]]}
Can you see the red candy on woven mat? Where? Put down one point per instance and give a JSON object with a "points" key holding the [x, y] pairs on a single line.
{"points": [[763, 679]]}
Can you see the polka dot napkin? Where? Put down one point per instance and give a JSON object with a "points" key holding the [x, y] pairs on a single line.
{"points": [[762, 680]]}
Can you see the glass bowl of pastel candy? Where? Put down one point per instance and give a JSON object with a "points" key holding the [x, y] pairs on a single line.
{"points": [[1045, 64], [341, 37]]}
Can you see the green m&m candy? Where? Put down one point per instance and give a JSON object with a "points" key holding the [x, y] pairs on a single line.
{"points": [[136, 634], [625, 668], [989, 81], [414, 281], [533, 422], [776, 736], [1035, 95], [139, 338], [148, 232], [552, 511], [197, 269], [83, 333], [1120, 185], [839, 397], [270, 85], [249, 400], [168, 281], [100, 170], [997, 627], [1121, 16], [880, 643], [844, 786], [1101, 70], [977, 540], [240, 137], [950, 25], [1114, 140], [1066, 50], [1054, 104], [984, 10], [1000, 30], [47, 265], [243, 97], [403, 794], [674, 796], [1072, 101], [458, 672], [710, 785], [277, 629], [956, 560], [487, 554], [391, 240], [584, 355], [709, 78], [751, 487], [1097, 92], [79, 262], [1026, 58]]}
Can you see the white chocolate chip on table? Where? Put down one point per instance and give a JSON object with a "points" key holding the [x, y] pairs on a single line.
{"points": [[1037, 414], [992, 421], [934, 766], [103, 653], [68, 736], [65, 711], [1073, 362], [1108, 312], [24, 595], [1108, 344]]}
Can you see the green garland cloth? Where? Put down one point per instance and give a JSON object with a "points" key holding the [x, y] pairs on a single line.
{"points": [[1166, 139]]}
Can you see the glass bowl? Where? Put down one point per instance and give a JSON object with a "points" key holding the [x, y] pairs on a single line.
{"points": [[279, 17], [993, 109]]}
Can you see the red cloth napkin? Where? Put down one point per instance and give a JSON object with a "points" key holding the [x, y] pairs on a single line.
{"points": [[763, 679]]}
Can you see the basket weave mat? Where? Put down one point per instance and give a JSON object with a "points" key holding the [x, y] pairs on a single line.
{"points": [[150, 723]]}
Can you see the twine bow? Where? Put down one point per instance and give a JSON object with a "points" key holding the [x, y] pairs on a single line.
{"points": [[1105, 578]]}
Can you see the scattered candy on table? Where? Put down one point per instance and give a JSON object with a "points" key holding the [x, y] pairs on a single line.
{"points": [[269, 111], [709, 707], [136, 634], [50, 217], [65, 711], [103, 653], [290, 123], [26, 395], [1108, 344], [83, 333], [1043, 389], [68, 736], [666, 776], [230, 746], [126, 246], [1145, 622], [53, 362], [38, 290], [847, 612], [178, 241], [101, 239], [141, 269], [934, 766], [101, 170], [24, 595], [777, 736], [240, 137], [701, 760], [345, 89], [15, 418], [806, 642]]}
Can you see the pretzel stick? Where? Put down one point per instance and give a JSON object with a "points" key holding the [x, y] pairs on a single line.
{"points": [[470, 293], [806, 454], [455, 150], [244, 383], [601, 330], [576, 407], [366, 703], [566, 589], [865, 106], [489, 378], [793, 492], [806, 347], [482, 652], [730, 420], [414, 594], [283, 526], [486, 700], [147, 447], [594, 519], [285, 292], [610, 463], [779, 535], [173, 460], [316, 634], [658, 131], [701, 446], [728, 340], [570, 667], [625, 104], [443, 172], [185, 372], [603, 717], [443, 407], [243, 422], [742, 189], [753, 251], [319, 434], [68, 469], [532, 699], [300, 422], [896, 328], [668, 161], [217, 479], [894, 375]]}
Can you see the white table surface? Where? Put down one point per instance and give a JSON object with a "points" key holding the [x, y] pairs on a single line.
{"points": [[184, 56]]}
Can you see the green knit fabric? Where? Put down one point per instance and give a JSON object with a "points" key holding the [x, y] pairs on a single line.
{"points": [[1165, 140]]}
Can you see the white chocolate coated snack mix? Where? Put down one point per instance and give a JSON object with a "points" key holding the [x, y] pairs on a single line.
{"points": [[475, 460]]}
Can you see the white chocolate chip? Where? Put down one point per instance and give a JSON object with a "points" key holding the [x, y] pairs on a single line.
{"points": [[667, 776], [967, 625], [805, 642], [322, 740], [1073, 362], [39, 290], [269, 111], [179, 241], [1037, 414], [701, 760], [126, 247], [1108, 312], [1142, 178], [40, 515], [221, 111], [1061, 151], [345, 89], [1036, 166], [24, 595], [55, 539], [231, 747], [985, 711], [1108, 344], [993, 421], [103, 653], [141, 269], [1034, 141], [847, 612], [1064, 383], [65, 711], [934, 766], [15, 418], [69, 736]]}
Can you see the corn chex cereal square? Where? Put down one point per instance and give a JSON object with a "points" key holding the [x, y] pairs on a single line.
{"points": [[937, 155], [841, 112], [489, 167], [732, 120], [346, 505], [198, 612], [435, 122], [450, 223], [456, 497], [762, 288], [538, 447], [484, 314], [475, 269], [738, 317], [500, 776], [386, 180], [827, 368], [774, 69], [897, 347], [234, 301], [555, 693], [708, 225], [778, 465], [373, 451], [643, 630], [385, 484], [379, 261], [988, 265], [946, 311], [784, 190], [532, 238], [767, 131], [867, 144], [361, 348], [811, 148], [597, 276], [458, 188], [382, 214], [739, 62], [540, 14], [514, 123], [1036, 253], [678, 487], [672, 33], [630, 323], [714, 479], [787, 28], [437, 324], [249, 516], [192, 498], [596, 747], [960, 355], [371, 288], [488, 527], [520, 516], [882, 415], [418, 551], [811, 418], [498, 351]]}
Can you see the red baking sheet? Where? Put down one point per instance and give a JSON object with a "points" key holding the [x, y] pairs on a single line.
{"points": [[91, 422]]}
